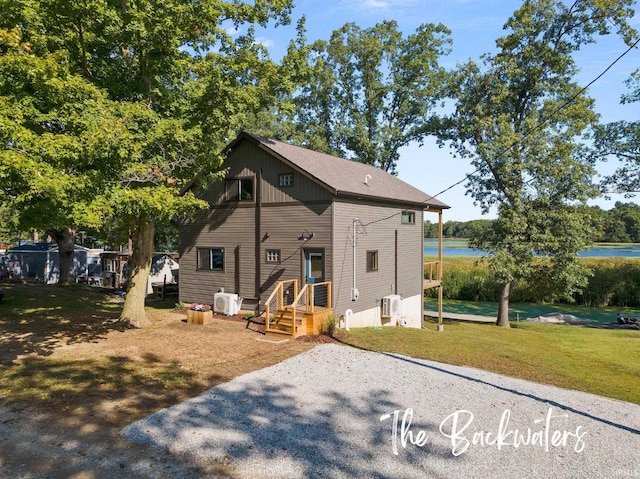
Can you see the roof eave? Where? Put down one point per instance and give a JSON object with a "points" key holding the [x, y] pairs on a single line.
{"points": [[413, 204]]}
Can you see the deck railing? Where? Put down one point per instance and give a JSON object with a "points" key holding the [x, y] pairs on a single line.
{"points": [[310, 296], [283, 295], [431, 267]]}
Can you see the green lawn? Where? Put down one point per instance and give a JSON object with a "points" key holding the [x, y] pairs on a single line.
{"points": [[599, 361], [602, 315]]}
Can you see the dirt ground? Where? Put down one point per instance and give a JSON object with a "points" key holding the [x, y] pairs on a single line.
{"points": [[54, 432]]}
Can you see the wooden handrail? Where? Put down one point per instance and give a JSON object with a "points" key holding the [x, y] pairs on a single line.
{"points": [[278, 292], [438, 265], [305, 298]]}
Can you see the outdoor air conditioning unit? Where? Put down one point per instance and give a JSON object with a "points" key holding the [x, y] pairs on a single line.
{"points": [[392, 306], [226, 303]]}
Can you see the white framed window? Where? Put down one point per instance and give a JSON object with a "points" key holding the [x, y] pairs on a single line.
{"points": [[285, 179], [110, 265], [211, 259], [273, 256]]}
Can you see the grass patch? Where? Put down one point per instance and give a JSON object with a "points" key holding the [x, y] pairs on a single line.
{"points": [[63, 351], [57, 382], [602, 362], [601, 315]]}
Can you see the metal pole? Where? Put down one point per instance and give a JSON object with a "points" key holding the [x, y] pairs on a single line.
{"points": [[440, 231]]}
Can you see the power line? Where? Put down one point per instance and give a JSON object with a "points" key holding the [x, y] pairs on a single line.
{"points": [[527, 134]]}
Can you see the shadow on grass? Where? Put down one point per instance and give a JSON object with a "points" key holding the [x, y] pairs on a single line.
{"points": [[146, 384], [65, 415], [36, 319]]}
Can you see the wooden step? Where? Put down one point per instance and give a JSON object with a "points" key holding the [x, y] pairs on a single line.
{"points": [[277, 335]]}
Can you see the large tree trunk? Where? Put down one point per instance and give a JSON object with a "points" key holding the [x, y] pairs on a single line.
{"points": [[503, 306], [65, 238], [142, 240]]}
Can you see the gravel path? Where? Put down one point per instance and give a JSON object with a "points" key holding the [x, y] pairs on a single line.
{"points": [[331, 412]]}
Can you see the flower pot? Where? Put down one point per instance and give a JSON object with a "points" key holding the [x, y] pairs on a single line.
{"points": [[199, 317]]}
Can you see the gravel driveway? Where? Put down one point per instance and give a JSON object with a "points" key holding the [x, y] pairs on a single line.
{"points": [[339, 412]]}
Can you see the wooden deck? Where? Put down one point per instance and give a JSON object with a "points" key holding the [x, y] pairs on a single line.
{"points": [[299, 314], [281, 325]]}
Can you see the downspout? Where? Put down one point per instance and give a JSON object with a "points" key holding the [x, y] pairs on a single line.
{"points": [[354, 289], [258, 234], [439, 272], [395, 266]]}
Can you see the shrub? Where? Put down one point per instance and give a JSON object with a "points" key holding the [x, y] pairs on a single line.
{"points": [[614, 282], [328, 328]]}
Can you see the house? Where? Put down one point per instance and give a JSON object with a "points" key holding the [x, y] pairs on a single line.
{"points": [[41, 262], [285, 217], [115, 270]]}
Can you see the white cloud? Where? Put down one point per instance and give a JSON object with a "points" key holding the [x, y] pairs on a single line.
{"points": [[384, 4], [265, 42]]}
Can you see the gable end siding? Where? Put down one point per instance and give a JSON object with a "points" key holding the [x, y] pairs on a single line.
{"points": [[378, 234]]}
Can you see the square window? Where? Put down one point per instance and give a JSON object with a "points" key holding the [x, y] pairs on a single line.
{"points": [[239, 189], [211, 259], [408, 218], [372, 260], [285, 179], [273, 256]]}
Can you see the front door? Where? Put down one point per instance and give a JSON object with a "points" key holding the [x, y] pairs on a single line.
{"points": [[314, 266]]}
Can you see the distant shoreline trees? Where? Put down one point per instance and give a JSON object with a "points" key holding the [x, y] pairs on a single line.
{"points": [[621, 224]]}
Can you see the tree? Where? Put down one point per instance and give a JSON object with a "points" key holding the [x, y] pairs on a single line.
{"points": [[365, 93], [621, 140], [519, 118], [178, 85], [53, 126]]}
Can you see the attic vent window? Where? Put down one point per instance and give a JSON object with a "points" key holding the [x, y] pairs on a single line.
{"points": [[285, 179]]}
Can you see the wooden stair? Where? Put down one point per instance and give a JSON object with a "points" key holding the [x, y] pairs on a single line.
{"points": [[302, 315], [281, 325]]}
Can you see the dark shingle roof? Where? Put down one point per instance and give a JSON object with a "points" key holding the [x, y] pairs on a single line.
{"points": [[35, 247], [346, 177]]}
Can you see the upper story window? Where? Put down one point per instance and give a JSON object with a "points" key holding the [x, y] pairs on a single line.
{"points": [[408, 218], [240, 189], [285, 179]]}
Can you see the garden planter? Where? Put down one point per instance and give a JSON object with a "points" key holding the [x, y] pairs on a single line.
{"points": [[199, 317]]}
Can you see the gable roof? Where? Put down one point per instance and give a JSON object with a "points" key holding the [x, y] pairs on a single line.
{"points": [[345, 177]]}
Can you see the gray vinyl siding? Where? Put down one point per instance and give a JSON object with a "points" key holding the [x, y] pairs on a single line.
{"points": [[378, 234], [230, 228], [282, 225], [286, 212], [246, 160]]}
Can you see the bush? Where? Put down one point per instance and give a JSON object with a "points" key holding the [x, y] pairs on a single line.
{"points": [[328, 328], [614, 282]]}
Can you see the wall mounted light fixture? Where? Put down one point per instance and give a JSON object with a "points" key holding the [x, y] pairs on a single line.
{"points": [[305, 236]]}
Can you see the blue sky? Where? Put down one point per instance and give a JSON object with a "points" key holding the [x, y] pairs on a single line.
{"points": [[475, 24]]}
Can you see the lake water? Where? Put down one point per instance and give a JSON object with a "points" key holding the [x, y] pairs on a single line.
{"points": [[460, 248]]}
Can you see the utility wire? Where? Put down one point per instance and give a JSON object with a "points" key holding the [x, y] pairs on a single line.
{"points": [[528, 133], [550, 117]]}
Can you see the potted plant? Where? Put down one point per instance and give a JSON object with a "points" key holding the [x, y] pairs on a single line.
{"points": [[199, 313]]}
